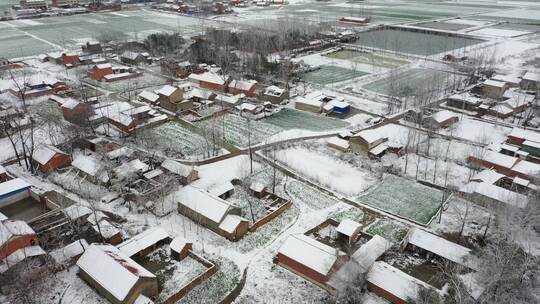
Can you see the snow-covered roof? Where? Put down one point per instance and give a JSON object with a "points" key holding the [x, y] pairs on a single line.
{"points": [[527, 168], [20, 255], [131, 55], [500, 159], [90, 166], [338, 142], [274, 91], [496, 193], [525, 134], [178, 243], [338, 104], [310, 252], [153, 173], [44, 153], [257, 187], [308, 101], [395, 281], [503, 109], [443, 116], [112, 269], [209, 206], [530, 76], [103, 66], [152, 97], [143, 240], [116, 76], [13, 185], [120, 152], [76, 211], [521, 181], [208, 77], [177, 168], [230, 99], [70, 103], [441, 247], [246, 106], [368, 253], [494, 83], [10, 229], [507, 78], [130, 168], [167, 90], [69, 251], [370, 136], [244, 85], [231, 222], [466, 97], [200, 93], [220, 189], [106, 229], [488, 175], [348, 227]]}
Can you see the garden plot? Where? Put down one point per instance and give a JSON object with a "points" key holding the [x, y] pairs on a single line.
{"points": [[409, 82], [368, 58], [309, 196], [405, 198], [417, 43], [331, 173], [174, 140], [391, 230], [173, 275], [457, 211], [293, 119], [238, 129], [328, 74]]}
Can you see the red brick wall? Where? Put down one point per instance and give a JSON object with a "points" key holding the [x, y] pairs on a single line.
{"points": [[97, 74], [212, 86], [306, 271], [270, 216], [58, 161], [17, 243], [73, 59], [515, 140]]}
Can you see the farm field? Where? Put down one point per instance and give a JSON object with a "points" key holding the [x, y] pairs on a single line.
{"points": [[174, 140], [237, 129], [328, 74], [408, 82], [405, 198], [293, 119], [418, 43], [368, 58]]}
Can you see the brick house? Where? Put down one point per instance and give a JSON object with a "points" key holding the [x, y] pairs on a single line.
{"points": [[211, 81], [246, 87], [99, 71], [441, 119], [494, 89], [172, 98], [15, 235], [92, 47], [76, 112], [144, 242], [116, 276], [134, 58], [180, 248], [47, 158], [310, 259]]}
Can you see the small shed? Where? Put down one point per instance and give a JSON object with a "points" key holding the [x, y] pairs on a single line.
{"points": [[234, 226], [338, 144], [258, 189], [148, 97], [145, 242], [494, 89], [116, 276], [441, 119], [47, 158], [366, 140], [349, 230], [530, 81], [180, 248]]}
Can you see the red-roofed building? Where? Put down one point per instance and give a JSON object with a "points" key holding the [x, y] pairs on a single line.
{"points": [[246, 87], [99, 71], [15, 235]]}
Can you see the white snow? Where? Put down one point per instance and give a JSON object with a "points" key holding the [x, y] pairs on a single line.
{"points": [[12, 185], [113, 270], [310, 252], [209, 206], [348, 227], [20, 255], [368, 253], [231, 222], [69, 251], [142, 241], [494, 32]]}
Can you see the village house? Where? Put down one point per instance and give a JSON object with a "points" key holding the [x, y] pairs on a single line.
{"points": [[37, 85], [34, 4], [246, 87], [76, 112], [530, 81], [223, 190], [91, 167], [338, 144], [116, 276], [348, 230], [310, 259], [211, 81], [393, 284], [145, 242], [186, 174], [15, 235], [308, 105], [418, 240], [176, 69], [494, 89], [180, 248], [99, 71], [354, 20], [91, 47], [366, 140], [489, 194], [527, 140], [337, 106], [65, 3], [212, 212], [511, 81], [47, 158], [507, 165], [275, 94], [104, 228], [134, 58], [464, 101], [148, 97], [172, 99], [13, 191], [441, 119]]}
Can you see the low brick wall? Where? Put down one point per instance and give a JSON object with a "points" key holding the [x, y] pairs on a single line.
{"points": [[211, 270], [270, 216], [236, 291]]}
